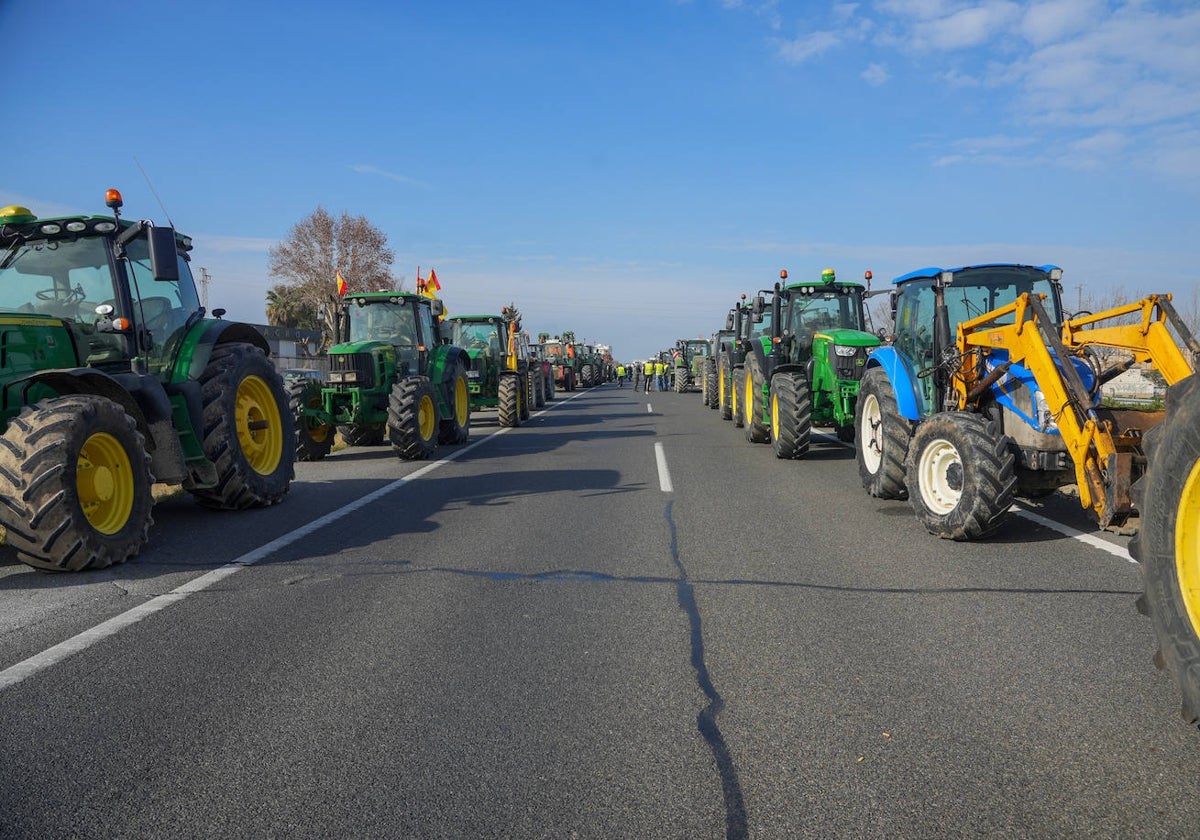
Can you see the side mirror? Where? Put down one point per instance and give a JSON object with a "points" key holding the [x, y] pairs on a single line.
{"points": [[437, 307], [729, 321], [164, 255], [758, 307]]}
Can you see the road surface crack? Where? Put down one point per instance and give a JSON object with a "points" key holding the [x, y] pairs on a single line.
{"points": [[706, 720]]}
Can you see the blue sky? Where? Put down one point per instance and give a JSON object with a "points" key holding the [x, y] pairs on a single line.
{"points": [[626, 169]]}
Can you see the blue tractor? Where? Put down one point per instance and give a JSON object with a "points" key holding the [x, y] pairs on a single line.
{"points": [[986, 443]]}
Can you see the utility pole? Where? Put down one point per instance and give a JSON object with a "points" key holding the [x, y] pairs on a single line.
{"points": [[204, 278], [1079, 293]]}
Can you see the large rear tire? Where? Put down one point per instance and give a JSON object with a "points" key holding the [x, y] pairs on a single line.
{"points": [[959, 474], [791, 415], [883, 435], [526, 396], [75, 484], [457, 427], [736, 397], [1168, 541], [245, 432], [413, 418], [725, 393], [313, 439], [756, 430], [710, 383], [509, 400], [550, 387]]}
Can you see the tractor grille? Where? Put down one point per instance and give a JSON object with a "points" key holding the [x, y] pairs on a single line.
{"points": [[360, 363], [849, 367]]}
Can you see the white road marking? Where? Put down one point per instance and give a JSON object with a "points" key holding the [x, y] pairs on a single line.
{"points": [[1073, 533], [664, 474], [50, 656], [1066, 530]]}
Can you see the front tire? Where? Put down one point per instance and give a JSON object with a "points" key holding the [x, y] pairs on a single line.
{"points": [[1168, 541], [366, 434], [75, 484], [959, 475], [883, 435], [313, 438], [456, 428], [791, 415], [244, 430], [413, 418]]}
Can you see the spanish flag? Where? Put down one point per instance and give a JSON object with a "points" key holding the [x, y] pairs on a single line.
{"points": [[342, 288], [432, 283]]}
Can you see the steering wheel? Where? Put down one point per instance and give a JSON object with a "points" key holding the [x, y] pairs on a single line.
{"points": [[71, 296]]}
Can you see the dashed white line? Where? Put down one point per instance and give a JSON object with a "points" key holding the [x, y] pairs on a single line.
{"points": [[664, 474]]}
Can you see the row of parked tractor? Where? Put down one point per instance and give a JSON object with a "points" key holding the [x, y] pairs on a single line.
{"points": [[985, 391], [113, 378], [401, 373]]}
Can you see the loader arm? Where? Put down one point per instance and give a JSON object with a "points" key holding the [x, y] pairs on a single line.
{"points": [[1030, 340]]}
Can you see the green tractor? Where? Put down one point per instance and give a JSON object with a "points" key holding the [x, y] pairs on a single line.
{"points": [[499, 374], [709, 377], [804, 369], [390, 375], [112, 379], [727, 356], [688, 365], [591, 366]]}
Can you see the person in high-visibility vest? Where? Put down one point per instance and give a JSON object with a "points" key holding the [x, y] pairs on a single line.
{"points": [[649, 371], [660, 374], [620, 375]]}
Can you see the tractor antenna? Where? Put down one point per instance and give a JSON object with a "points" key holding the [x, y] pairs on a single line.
{"points": [[155, 192]]}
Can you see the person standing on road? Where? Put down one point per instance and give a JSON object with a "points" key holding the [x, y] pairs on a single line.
{"points": [[660, 374], [620, 375], [649, 374], [637, 375]]}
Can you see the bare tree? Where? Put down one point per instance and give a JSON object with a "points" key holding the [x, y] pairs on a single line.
{"points": [[320, 247]]}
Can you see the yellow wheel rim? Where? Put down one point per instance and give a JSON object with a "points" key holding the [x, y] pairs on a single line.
{"points": [[319, 432], [426, 417], [105, 483], [774, 410], [1187, 544], [721, 387], [259, 425], [751, 408], [462, 402]]}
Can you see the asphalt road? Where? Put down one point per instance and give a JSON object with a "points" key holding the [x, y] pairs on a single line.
{"points": [[619, 620]]}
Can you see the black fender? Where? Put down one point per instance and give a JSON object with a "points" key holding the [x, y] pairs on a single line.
{"points": [[141, 395]]}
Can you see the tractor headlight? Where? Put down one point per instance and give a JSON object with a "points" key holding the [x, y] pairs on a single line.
{"points": [[844, 350]]}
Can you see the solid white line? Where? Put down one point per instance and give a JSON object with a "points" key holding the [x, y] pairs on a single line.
{"points": [[664, 475], [649, 408], [50, 656], [1066, 530], [1090, 539]]}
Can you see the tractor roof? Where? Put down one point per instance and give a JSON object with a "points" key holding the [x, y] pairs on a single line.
{"points": [[19, 224], [934, 272], [363, 298]]}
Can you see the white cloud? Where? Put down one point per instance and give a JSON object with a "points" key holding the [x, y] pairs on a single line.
{"points": [[365, 169], [875, 74], [966, 27], [799, 50], [1042, 23]]}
